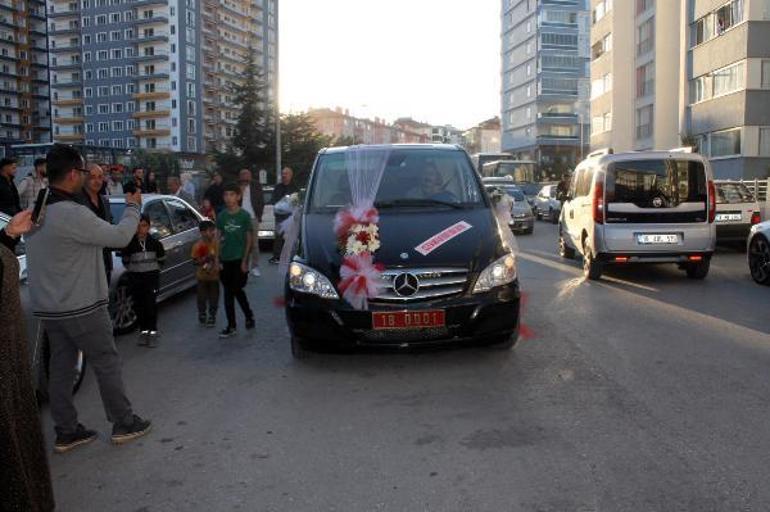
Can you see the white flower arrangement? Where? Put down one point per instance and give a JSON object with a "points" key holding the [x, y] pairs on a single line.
{"points": [[362, 238]]}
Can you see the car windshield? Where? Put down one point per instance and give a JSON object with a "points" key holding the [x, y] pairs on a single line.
{"points": [[732, 193], [530, 189], [656, 183], [413, 178]]}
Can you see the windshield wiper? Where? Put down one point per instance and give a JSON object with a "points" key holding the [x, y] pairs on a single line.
{"points": [[418, 202]]}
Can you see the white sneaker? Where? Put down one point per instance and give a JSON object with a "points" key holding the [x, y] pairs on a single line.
{"points": [[256, 273]]}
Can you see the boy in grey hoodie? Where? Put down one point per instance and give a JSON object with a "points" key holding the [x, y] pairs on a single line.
{"points": [[70, 294]]}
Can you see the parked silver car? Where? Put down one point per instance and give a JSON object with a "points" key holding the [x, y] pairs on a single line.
{"points": [[521, 212], [175, 223], [267, 226], [737, 211], [641, 207]]}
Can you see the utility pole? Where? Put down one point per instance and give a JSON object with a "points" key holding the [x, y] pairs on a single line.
{"points": [[276, 95]]}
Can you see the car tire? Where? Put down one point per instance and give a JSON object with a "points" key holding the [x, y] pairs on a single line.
{"points": [[124, 317], [538, 215], [565, 251], [759, 259], [299, 349], [530, 231], [592, 269], [698, 270], [44, 370]]}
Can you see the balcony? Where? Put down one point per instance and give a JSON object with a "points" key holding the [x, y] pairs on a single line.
{"points": [[69, 137], [149, 114], [159, 38], [75, 48], [71, 83], [153, 95], [157, 132], [10, 107], [160, 75], [72, 66], [148, 21], [65, 31], [64, 14], [150, 58], [147, 3], [70, 102], [68, 120]]}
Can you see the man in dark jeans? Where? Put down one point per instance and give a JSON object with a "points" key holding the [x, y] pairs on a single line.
{"points": [[69, 293], [284, 188], [10, 203]]}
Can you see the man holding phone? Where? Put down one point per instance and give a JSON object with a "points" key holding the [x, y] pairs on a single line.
{"points": [[70, 294]]}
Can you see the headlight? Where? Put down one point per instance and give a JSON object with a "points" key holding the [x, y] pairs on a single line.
{"points": [[520, 216], [304, 279], [502, 271]]}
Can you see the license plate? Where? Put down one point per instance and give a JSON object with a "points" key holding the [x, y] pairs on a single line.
{"points": [[726, 217], [408, 320], [657, 239]]}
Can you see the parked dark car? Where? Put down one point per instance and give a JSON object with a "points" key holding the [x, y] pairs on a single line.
{"points": [[466, 290], [175, 223]]}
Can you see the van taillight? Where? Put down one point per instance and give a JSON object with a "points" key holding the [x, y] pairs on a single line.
{"points": [[712, 202], [598, 203], [755, 218]]}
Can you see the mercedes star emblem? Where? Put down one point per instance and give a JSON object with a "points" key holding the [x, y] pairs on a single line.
{"points": [[406, 284], [657, 202], [404, 255]]}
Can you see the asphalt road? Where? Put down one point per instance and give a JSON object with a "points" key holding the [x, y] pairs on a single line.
{"points": [[643, 392]]}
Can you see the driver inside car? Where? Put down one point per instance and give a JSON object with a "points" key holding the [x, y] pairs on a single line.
{"points": [[432, 186]]}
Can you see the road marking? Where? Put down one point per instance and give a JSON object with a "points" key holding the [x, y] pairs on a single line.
{"points": [[735, 332]]}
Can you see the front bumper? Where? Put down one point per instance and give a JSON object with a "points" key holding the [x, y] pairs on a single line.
{"points": [[468, 318]]}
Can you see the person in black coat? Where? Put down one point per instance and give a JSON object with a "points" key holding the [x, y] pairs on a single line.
{"points": [[10, 203], [216, 193], [100, 205], [25, 482]]}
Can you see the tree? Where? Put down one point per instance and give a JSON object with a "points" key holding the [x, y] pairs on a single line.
{"points": [[253, 142], [300, 143]]}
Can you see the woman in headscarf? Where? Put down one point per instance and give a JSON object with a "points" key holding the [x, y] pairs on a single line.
{"points": [[25, 482]]}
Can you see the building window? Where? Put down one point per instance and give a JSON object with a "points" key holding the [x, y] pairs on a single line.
{"points": [[89, 92], [117, 126], [117, 108], [645, 40], [726, 143], [717, 22], [89, 127], [601, 47], [601, 10], [764, 141], [643, 5], [104, 127], [103, 90], [104, 108], [644, 118], [645, 80], [729, 79], [766, 74]]}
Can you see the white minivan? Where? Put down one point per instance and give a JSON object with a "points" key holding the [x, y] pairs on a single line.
{"points": [[640, 207]]}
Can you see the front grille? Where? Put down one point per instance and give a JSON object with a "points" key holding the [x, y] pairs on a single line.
{"points": [[433, 283]]}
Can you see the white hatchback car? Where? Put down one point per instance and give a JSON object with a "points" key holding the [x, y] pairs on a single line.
{"points": [[737, 211], [640, 207]]}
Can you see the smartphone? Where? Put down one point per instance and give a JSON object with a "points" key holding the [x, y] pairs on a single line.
{"points": [[40, 203]]}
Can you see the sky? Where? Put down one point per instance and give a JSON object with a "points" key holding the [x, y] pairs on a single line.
{"points": [[437, 61]]}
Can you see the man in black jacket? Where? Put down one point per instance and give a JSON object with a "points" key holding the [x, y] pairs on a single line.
{"points": [[284, 188], [216, 193], [9, 194]]}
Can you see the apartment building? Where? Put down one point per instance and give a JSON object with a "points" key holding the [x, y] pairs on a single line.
{"points": [[726, 107], [484, 137], [545, 81], [130, 74], [339, 123], [635, 81], [24, 93], [231, 29]]}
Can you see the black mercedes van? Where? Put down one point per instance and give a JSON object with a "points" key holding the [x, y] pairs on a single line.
{"points": [[448, 270]]}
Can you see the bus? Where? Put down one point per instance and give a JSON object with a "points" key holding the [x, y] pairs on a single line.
{"points": [[26, 154], [479, 159], [522, 171]]}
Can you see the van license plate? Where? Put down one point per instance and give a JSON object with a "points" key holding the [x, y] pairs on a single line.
{"points": [[726, 217], [657, 239], [408, 319]]}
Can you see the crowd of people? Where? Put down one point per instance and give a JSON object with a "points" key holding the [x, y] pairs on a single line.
{"points": [[69, 294]]}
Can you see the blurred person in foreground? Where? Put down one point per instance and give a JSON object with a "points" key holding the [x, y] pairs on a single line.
{"points": [[25, 482], [10, 203], [69, 293]]}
